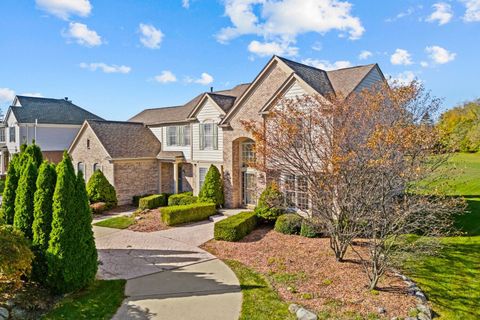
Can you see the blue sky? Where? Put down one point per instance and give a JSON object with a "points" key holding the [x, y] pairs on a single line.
{"points": [[116, 58]]}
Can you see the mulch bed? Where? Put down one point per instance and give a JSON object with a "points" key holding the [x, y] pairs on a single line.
{"points": [[304, 271], [151, 220]]}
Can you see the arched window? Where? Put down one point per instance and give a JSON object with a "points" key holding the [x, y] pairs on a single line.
{"points": [[97, 166], [81, 167]]}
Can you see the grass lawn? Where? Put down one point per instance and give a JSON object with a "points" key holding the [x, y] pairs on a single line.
{"points": [[452, 279], [99, 301], [121, 222], [260, 301]]}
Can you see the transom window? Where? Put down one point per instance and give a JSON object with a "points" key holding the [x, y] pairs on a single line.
{"points": [[178, 135], [208, 136], [248, 153], [295, 189]]}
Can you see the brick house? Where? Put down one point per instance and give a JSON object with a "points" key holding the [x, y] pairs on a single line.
{"points": [[207, 130]]}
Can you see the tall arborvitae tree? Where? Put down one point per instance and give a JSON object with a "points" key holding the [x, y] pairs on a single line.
{"points": [[36, 153], [24, 199], [9, 193], [65, 273], [87, 252], [212, 189], [42, 218]]}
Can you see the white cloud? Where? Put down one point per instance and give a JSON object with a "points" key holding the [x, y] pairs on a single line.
{"points": [[106, 68], [403, 78], [186, 4], [151, 36], [264, 49], [283, 20], [317, 46], [327, 65], [401, 57], [472, 14], [82, 35], [166, 77], [443, 13], [424, 64], [364, 55], [205, 79], [440, 55], [6, 95], [32, 94], [403, 14], [65, 8]]}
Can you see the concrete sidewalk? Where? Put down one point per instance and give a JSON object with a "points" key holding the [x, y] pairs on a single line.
{"points": [[168, 275]]}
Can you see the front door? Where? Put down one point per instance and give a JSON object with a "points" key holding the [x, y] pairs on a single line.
{"points": [[249, 188]]}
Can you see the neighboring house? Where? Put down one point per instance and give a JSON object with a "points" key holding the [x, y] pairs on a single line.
{"points": [[208, 130], [52, 123]]}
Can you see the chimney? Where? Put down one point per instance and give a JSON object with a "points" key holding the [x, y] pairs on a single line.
{"points": [[66, 99], [211, 89]]}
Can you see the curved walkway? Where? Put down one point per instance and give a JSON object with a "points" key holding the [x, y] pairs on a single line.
{"points": [[168, 276]]}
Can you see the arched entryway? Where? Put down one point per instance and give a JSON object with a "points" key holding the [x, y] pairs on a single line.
{"points": [[245, 176]]}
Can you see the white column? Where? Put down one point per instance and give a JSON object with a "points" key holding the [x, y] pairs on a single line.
{"points": [[175, 176]]}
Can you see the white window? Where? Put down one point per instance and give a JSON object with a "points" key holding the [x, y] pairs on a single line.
{"points": [[12, 134], [295, 190], [248, 153], [208, 136], [202, 172], [178, 135], [81, 167], [2, 134], [97, 166]]}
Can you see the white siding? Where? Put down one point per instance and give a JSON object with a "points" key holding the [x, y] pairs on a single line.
{"points": [[53, 138], [208, 112], [295, 91], [13, 147], [161, 134], [370, 80]]}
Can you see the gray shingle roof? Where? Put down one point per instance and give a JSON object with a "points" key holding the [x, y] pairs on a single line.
{"points": [[126, 139], [344, 81], [51, 111], [224, 98]]}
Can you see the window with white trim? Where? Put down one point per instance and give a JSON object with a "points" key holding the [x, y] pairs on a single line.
{"points": [[12, 134], [248, 153], [97, 166], [208, 136], [178, 135], [2, 134], [202, 172], [295, 190], [81, 167]]}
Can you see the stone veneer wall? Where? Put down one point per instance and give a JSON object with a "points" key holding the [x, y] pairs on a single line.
{"points": [[248, 110], [187, 177], [135, 177], [95, 154]]}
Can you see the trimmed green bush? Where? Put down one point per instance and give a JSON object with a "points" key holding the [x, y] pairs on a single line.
{"points": [[187, 213], [136, 199], [8, 200], [270, 203], [86, 256], [2, 185], [36, 153], [289, 223], [212, 188], [153, 201], [69, 248], [309, 229], [100, 190], [42, 218], [236, 227], [182, 199], [27, 185], [15, 255]]}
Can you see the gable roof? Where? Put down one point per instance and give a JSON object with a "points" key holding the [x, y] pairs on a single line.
{"points": [[125, 139], [225, 99], [49, 111], [344, 81]]}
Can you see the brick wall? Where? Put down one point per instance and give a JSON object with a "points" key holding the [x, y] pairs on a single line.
{"points": [[166, 179], [135, 177]]}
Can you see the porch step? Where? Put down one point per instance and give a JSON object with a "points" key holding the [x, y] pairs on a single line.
{"points": [[216, 217]]}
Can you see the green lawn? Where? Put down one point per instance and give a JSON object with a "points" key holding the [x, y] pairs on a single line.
{"points": [[451, 280], [260, 301], [99, 301], [121, 222]]}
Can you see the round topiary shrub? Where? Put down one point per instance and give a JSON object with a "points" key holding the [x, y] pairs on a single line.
{"points": [[15, 256], [289, 223], [100, 190], [270, 203]]}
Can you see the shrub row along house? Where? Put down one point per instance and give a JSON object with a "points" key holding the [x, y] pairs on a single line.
{"points": [[170, 149], [52, 123]]}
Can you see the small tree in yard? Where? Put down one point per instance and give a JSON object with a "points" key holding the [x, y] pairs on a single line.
{"points": [[42, 218], [270, 204], [67, 252], [9, 193], [212, 189], [35, 152], [24, 199], [100, 190], [364, 160]]}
